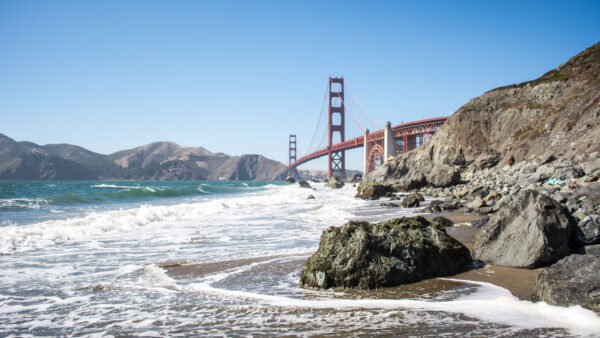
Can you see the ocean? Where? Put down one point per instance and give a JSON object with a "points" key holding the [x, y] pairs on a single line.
{"points": [[220, 258]]}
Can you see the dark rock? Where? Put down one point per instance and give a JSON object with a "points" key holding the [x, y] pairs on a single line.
{"points": [[310, 197], [290, 179], [531, 231], [412, 200], [588, 230], [442, 221], [484, 210], [394, 198], [443, 176], [548, 159], [589, 249], [432, 209], [451, 205], [480, 222], [434, 206], [573, 280], [394, 252], [304, 184], [373, 191], [355, 178], [334, 182], [390, 205]]}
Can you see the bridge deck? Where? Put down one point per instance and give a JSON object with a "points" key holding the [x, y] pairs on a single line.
{"points": [[404, 129]]}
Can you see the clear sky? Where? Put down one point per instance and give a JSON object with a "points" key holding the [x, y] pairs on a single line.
{"points": [[239, 76]]}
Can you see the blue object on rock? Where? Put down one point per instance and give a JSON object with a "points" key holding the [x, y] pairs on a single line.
{"points": [[553, 181]]}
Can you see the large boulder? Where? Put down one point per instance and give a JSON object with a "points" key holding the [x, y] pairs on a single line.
{"points": [[373, 191], [573, 280], [334, 182], [290, 179], [531, 231], [393, 252], [443, 176]]}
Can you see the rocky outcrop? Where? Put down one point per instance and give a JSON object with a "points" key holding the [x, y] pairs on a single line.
{"points": [[443, 176], [573, 280], [304, 184], [531, 231], [398, 251], [557, 114], [334, 182]]}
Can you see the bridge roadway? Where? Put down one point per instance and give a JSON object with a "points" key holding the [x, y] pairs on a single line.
{"points": [[401, 131]]}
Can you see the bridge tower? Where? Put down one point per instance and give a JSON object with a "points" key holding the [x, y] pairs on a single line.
{"points": [[337, 163], [292, 153]]}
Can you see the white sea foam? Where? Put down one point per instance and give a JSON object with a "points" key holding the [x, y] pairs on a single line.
{"points": [[274, 203], [113, 186], [23, 203], [490, 303]]}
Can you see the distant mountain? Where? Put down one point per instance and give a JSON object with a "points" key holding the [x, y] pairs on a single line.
{"points": [[318, 174], [155, 161]]}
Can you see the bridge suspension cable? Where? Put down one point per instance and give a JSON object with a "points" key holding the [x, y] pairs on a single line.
{"points": [[309, 149], [361, 107], [349, 112]]}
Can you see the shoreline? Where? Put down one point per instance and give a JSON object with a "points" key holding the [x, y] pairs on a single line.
{"points": [[518, 281]]}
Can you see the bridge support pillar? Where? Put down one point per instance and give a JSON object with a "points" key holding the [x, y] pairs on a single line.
{"points": [[292, 153], [366, 154], [389, 144], [337, 159]]}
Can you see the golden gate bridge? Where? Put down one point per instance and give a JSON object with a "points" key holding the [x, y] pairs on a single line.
{"points": [[378, 146]]}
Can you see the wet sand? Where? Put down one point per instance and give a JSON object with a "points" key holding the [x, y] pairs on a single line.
{"points": [[519, 281]]}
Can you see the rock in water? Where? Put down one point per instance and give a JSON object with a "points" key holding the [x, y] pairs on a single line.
{"points": [[304, 184], [373, 191], [355, 178], [531, 231], [334, 182], [573, 280], [393, 252], [290, 179], [412, 200]]}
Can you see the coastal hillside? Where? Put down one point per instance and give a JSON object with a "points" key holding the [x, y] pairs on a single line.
{"points": [[555, 115], [155, 161]]}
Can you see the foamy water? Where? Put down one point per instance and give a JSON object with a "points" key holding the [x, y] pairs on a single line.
{"points": [[228, 264]]}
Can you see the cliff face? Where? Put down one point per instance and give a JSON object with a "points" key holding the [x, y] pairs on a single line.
{"points": [[155, 161], [557, 114]]}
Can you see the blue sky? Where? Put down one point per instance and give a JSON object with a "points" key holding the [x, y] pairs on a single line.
{"points": [[240, 76]]}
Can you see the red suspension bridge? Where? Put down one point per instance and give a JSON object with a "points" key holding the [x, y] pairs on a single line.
{"points": [[379, 146]]}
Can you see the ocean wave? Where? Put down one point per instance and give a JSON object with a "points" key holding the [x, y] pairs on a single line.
{"points": [[23, 203], [16, 238]]}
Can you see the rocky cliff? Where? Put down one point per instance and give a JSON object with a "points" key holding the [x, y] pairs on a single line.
{"points": [[557, 114], [155, 161]]}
